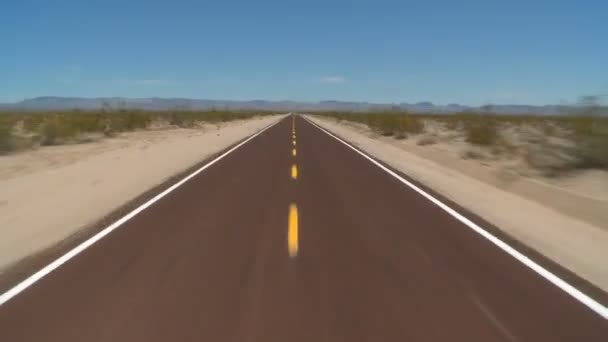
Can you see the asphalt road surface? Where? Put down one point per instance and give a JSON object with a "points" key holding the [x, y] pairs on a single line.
{"points": [[295, 240]]}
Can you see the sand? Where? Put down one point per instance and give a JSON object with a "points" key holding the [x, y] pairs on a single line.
{"points": [[564, 219], [51, 193]]}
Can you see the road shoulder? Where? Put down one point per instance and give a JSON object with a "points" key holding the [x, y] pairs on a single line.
{"points": [[572, 243], [48, 210]]}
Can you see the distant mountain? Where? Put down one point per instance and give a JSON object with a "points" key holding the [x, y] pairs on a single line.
{"points": [[155, 103]]}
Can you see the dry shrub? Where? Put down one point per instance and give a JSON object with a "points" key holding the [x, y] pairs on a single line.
{"points": [[428, 140], [483, 131], [6, 138]]}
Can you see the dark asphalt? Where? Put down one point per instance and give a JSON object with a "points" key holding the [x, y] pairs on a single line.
{"points": [[376, 262]]}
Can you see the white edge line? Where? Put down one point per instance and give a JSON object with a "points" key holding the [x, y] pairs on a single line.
{"points": [[543, 272], [17, 289]]}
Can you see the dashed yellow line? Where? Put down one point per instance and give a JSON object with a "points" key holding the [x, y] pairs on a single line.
{"points": [[292, 226], [292, 231], [294, 172]]}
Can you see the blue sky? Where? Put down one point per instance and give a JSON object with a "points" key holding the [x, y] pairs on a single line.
{"points": [[469, 52]]}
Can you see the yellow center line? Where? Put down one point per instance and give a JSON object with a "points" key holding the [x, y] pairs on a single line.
{"points": [[294, 172], [292, 231]]}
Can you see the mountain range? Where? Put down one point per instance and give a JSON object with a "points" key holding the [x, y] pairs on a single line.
{"points": [[155, 103]]}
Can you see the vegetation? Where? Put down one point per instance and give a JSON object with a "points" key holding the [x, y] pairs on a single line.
{"points": [[22, 129], [398, 124], [591, 138], [586, 131], [426, 141], [6, 138], [482, 131]]}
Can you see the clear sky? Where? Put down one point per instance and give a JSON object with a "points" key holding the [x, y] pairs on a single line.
{"points": [[469, 52]]}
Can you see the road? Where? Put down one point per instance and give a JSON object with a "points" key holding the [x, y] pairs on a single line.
{"points": [[295, 237]]}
